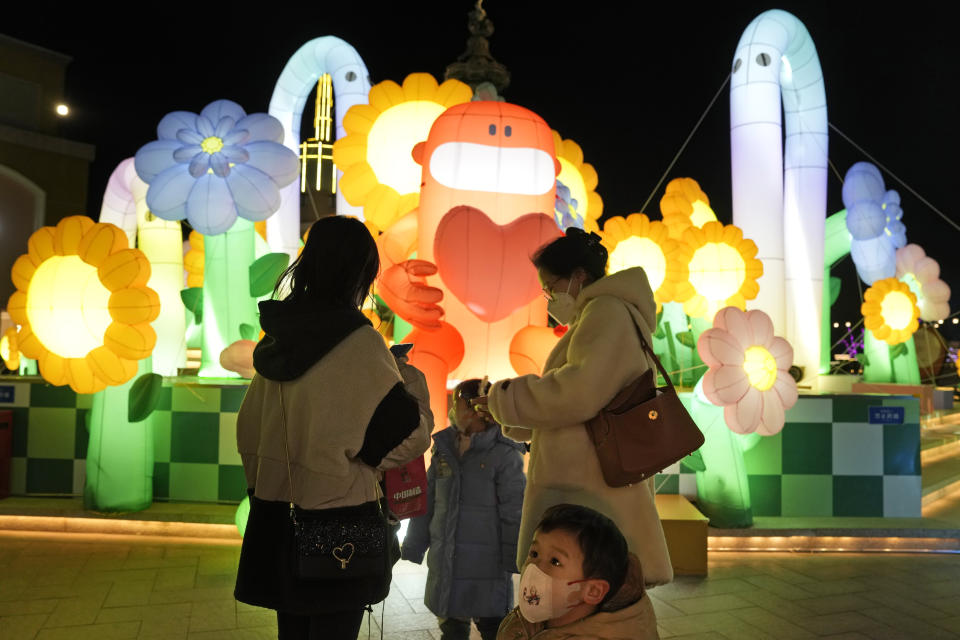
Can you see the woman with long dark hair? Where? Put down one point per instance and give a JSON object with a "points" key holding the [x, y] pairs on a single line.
{"points": [[328, 409]]}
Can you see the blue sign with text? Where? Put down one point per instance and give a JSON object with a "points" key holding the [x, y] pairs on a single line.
{"points": [[6, 393], [886, 415]]}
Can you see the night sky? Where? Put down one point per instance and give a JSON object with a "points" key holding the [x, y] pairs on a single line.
{"points": [[627, 81]]}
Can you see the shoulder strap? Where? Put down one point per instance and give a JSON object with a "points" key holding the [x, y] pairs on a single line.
{"points": [[286, 447], [649, 352]]}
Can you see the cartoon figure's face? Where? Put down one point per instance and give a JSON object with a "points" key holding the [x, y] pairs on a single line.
{"points": [[491, 147], [531, 596]]}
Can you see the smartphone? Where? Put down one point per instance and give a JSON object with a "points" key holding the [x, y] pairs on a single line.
{"points": [[400, 350]]}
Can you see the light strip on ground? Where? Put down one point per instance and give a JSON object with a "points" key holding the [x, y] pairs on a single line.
{"points": [[840, 544]]}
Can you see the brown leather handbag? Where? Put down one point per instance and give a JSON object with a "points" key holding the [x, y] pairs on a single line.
{"points": [[643, 430]]}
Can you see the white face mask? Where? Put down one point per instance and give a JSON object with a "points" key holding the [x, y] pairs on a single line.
{"points": [[542, 597], [563, 306]]}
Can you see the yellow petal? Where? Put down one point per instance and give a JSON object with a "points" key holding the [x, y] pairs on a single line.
{"points": [[572, 152], [420, 86], [381, 206], [452, 92], [357, 182], [123, 269], [40, 245], [17, 307], [23, 269], [134, 306], [359, 120], [385, 95], [107, 365], [101, 241], [53, 368], [133, 342], [350, 150], [69, 233], [589, 175], [82, 378]]}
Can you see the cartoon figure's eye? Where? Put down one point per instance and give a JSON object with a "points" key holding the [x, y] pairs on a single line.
{"points": [[533, 554], [493, 129], [350, 76], [555, 562], [507, 131]]}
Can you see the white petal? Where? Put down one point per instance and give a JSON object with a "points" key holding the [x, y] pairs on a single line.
{"points": [[761, 328], [782, 352], [772, 415], [717, 346], [735, 321], [927, 270], [205, 127], [726, 385], [786, 388]]}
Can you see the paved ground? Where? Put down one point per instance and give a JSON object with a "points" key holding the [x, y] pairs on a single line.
{"points": [[80, 586]]}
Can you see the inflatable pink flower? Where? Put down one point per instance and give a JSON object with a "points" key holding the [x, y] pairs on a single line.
{"points": [[749, 371], [922, 274]]}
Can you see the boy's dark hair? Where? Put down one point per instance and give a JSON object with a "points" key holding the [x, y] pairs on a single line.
{"points": [[605, 553], [338, 264], [576, 249]]}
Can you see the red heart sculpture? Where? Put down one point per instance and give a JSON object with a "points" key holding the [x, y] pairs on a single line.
{"points": [[487, 266]]}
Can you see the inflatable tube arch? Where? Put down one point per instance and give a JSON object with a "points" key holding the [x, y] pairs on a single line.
{"points": [[780, 190]]}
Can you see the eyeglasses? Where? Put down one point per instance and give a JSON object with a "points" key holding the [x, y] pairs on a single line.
{"points": [[548, 288]]}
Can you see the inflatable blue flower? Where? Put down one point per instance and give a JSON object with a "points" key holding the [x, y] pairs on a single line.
{"points": [[874, 222], [215, 166], [565, 208]]}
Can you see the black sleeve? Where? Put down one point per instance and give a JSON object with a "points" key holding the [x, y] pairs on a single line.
{"points": [[395, 418]]}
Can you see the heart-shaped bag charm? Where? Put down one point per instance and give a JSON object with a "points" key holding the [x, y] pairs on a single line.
{"points": [[343, 553]]}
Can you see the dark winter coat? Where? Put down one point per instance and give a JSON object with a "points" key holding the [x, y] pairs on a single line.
{"points": [[471, 526]]}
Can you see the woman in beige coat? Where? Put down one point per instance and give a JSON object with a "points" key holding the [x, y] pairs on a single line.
{"points": [[598, 356]]}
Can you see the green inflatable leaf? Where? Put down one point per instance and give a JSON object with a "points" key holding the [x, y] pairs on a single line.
{"points": [[143, 397], [265, 271], [193, 301], [898, 350], [694, 461], [863, 359], [248, 331], [686, 339], [659, 334], [834, 289]]}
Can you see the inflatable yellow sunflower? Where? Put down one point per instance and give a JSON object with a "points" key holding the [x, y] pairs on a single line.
{"points": [[723, 269], [9, 350], [82, 304], [379, 172], [636, 241], [683, 205], [193, 260], [890, 311]]}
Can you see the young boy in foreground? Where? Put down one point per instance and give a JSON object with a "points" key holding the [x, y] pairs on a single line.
{"points": [[580, 581]]}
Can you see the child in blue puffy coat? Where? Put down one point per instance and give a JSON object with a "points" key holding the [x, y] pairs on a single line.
{"points": [[475, 486]]}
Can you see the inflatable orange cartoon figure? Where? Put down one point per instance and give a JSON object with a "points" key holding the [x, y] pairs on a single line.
{"points": [[489, 180]]}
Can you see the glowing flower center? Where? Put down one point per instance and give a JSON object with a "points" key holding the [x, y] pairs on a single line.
{"points": [[640, 252], [67, 306], [897, 310], [701, 214], [911, 281], [212, 144], [717, 271], [760, 367], [393, 134]]}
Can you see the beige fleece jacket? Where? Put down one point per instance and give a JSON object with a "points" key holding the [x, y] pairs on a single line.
{"points": [[594, 360], [327, 411]]}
